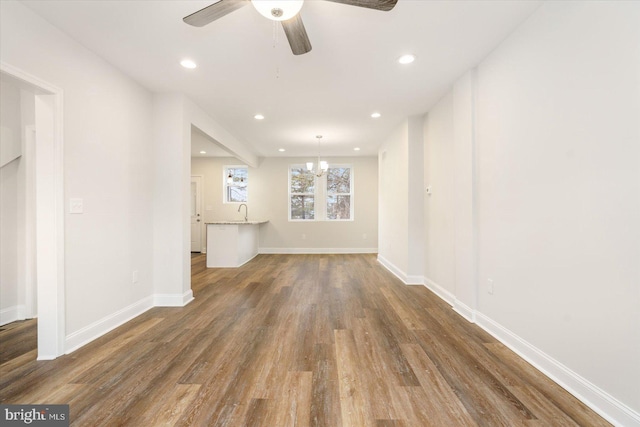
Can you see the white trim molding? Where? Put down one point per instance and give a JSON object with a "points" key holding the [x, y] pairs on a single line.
{"points": [[97, 329], [444, 294], [590, 394], [393, 269], [302, 251], [12, 314], [173, 300], [464, 310], [49, 214]]}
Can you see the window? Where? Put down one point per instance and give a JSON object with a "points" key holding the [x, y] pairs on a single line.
{"points": [[333, 191], [235, 184], [302, 193], [339, 191]]}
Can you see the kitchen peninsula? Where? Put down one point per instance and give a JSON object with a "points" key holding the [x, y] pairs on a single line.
{"points": [[232, 243]]}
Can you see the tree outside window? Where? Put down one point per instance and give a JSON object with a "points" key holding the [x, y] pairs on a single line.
{"points": [[334, 190], [302, 190], [339, 193]]}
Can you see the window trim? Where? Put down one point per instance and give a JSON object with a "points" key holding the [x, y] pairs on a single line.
{"points": [[350, 194], [225, 169], [290, 194], [321, 194]]}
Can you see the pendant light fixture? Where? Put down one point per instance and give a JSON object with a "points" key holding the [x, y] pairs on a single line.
{"points": [[322, 165]]}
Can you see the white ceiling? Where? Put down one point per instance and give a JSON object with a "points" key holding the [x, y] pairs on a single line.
{"points": [[202, 145], [245, 65]]}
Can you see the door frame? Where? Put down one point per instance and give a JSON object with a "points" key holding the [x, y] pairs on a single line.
{"points": [[200, 195], [49, 211]]}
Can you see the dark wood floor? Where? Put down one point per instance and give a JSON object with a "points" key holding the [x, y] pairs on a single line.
{"points": [[306, 340]]}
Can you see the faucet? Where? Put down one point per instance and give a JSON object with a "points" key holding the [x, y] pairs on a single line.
{"points": [[246, 211]]}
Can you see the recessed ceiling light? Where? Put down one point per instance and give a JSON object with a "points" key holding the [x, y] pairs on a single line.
{"points": [[356, 149], [406, 59], [375, 115], [281, 150], [203, 152], [258, 117], [187, 63]]}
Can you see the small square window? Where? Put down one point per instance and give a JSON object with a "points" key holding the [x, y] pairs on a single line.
{"points": [[236, 179]]}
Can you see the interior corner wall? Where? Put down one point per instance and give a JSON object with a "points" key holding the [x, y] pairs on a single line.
{"points": [[464, 195], [393, 201], [415, 199], [439, 204], [171, 246], [107, 141]]}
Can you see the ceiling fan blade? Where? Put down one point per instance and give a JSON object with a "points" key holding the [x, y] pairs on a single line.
{"points": [[384, 5], [297, 35], [213, 12]]}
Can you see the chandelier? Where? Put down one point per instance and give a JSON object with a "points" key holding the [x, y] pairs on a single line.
{"points": [[322, 165]]}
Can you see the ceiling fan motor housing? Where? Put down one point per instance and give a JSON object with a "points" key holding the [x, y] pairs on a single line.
{"points": [[285, 11]]}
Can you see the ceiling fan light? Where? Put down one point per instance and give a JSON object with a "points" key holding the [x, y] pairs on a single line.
{"points": [[278, 10]]}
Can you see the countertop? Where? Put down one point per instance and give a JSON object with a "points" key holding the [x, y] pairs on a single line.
{"points": [[238, 222]]}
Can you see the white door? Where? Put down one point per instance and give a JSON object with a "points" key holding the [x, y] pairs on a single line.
{"points": [[196, 214]]}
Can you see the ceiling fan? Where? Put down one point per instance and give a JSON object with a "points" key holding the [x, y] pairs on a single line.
{"points": [[285, 11]]}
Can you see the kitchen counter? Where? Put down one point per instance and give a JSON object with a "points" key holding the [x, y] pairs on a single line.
{"points": [[238, 222], [232, 243]]}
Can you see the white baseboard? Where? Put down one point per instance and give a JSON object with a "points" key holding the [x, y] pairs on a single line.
{"points": [[464, 310], [317, 250], [591, 395], [444, 294], [12, 314], [173, 300], [95, 330]]}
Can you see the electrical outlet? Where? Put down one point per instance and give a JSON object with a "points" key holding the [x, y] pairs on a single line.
{"points": [[135, 277], [76, 206], [490, 286]]}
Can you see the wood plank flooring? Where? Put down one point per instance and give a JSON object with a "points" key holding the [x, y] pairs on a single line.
{"points": [[292, 340]]}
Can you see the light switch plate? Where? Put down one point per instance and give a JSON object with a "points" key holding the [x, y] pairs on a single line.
{"points": [[76, 206]]}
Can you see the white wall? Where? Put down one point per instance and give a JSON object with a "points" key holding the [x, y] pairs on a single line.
{"points": [[393, 201], [415, 198], [268, 192], [439, 252], [107, 137], [9, 187], [559, 188], [171, 271], [10, 132], [555, 198]]}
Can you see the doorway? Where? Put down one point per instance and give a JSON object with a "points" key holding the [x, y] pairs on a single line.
{"points": [[47, 227], [196, 214]]}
